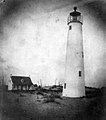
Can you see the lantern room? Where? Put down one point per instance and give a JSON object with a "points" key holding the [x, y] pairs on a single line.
{"points": [[74, 16]]}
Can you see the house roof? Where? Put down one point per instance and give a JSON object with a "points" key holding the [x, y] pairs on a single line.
{"points": [[21, 80]]}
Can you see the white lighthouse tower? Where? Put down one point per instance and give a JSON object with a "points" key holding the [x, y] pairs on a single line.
{"points": [[74, 85]]}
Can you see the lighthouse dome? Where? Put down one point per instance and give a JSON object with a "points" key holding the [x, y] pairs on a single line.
{"points": [[75, 13]]}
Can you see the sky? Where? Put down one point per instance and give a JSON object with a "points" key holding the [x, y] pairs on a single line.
{"points": [[33, 38]]}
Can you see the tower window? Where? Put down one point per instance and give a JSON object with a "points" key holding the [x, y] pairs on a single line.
{"points": [[70, 27], [82, 54], [79, 73], [64, 85]]}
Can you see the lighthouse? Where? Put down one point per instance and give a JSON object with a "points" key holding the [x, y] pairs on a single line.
{"points": [[74, 85]]}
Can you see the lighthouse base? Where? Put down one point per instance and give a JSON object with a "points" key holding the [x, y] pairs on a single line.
{"points": [[73, 93]]}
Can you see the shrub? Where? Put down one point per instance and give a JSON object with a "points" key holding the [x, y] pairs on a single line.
{"points": [[49, 98]]}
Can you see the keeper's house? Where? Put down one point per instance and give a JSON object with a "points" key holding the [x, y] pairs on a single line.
{"points": [[21, 83]]}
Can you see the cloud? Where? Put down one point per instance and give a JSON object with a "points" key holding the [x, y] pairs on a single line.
{"points": [[98, 8], [2, 60]]}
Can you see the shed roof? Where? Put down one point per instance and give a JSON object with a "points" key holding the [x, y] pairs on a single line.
{"points": [[21, 80]]}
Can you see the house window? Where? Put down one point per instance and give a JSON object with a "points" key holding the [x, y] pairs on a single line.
{"points": [[64, 85], [13, 86], [22, 80], [70, 27], [79, 73]]}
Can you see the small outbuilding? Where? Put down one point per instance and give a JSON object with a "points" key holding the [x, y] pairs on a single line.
{"points": [[21, 82]]}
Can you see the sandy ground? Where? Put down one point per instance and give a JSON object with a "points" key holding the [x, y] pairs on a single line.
{"points": [[27, 106]]}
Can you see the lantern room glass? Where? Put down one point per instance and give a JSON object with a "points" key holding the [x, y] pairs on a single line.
{"points": [[74, 19]]}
